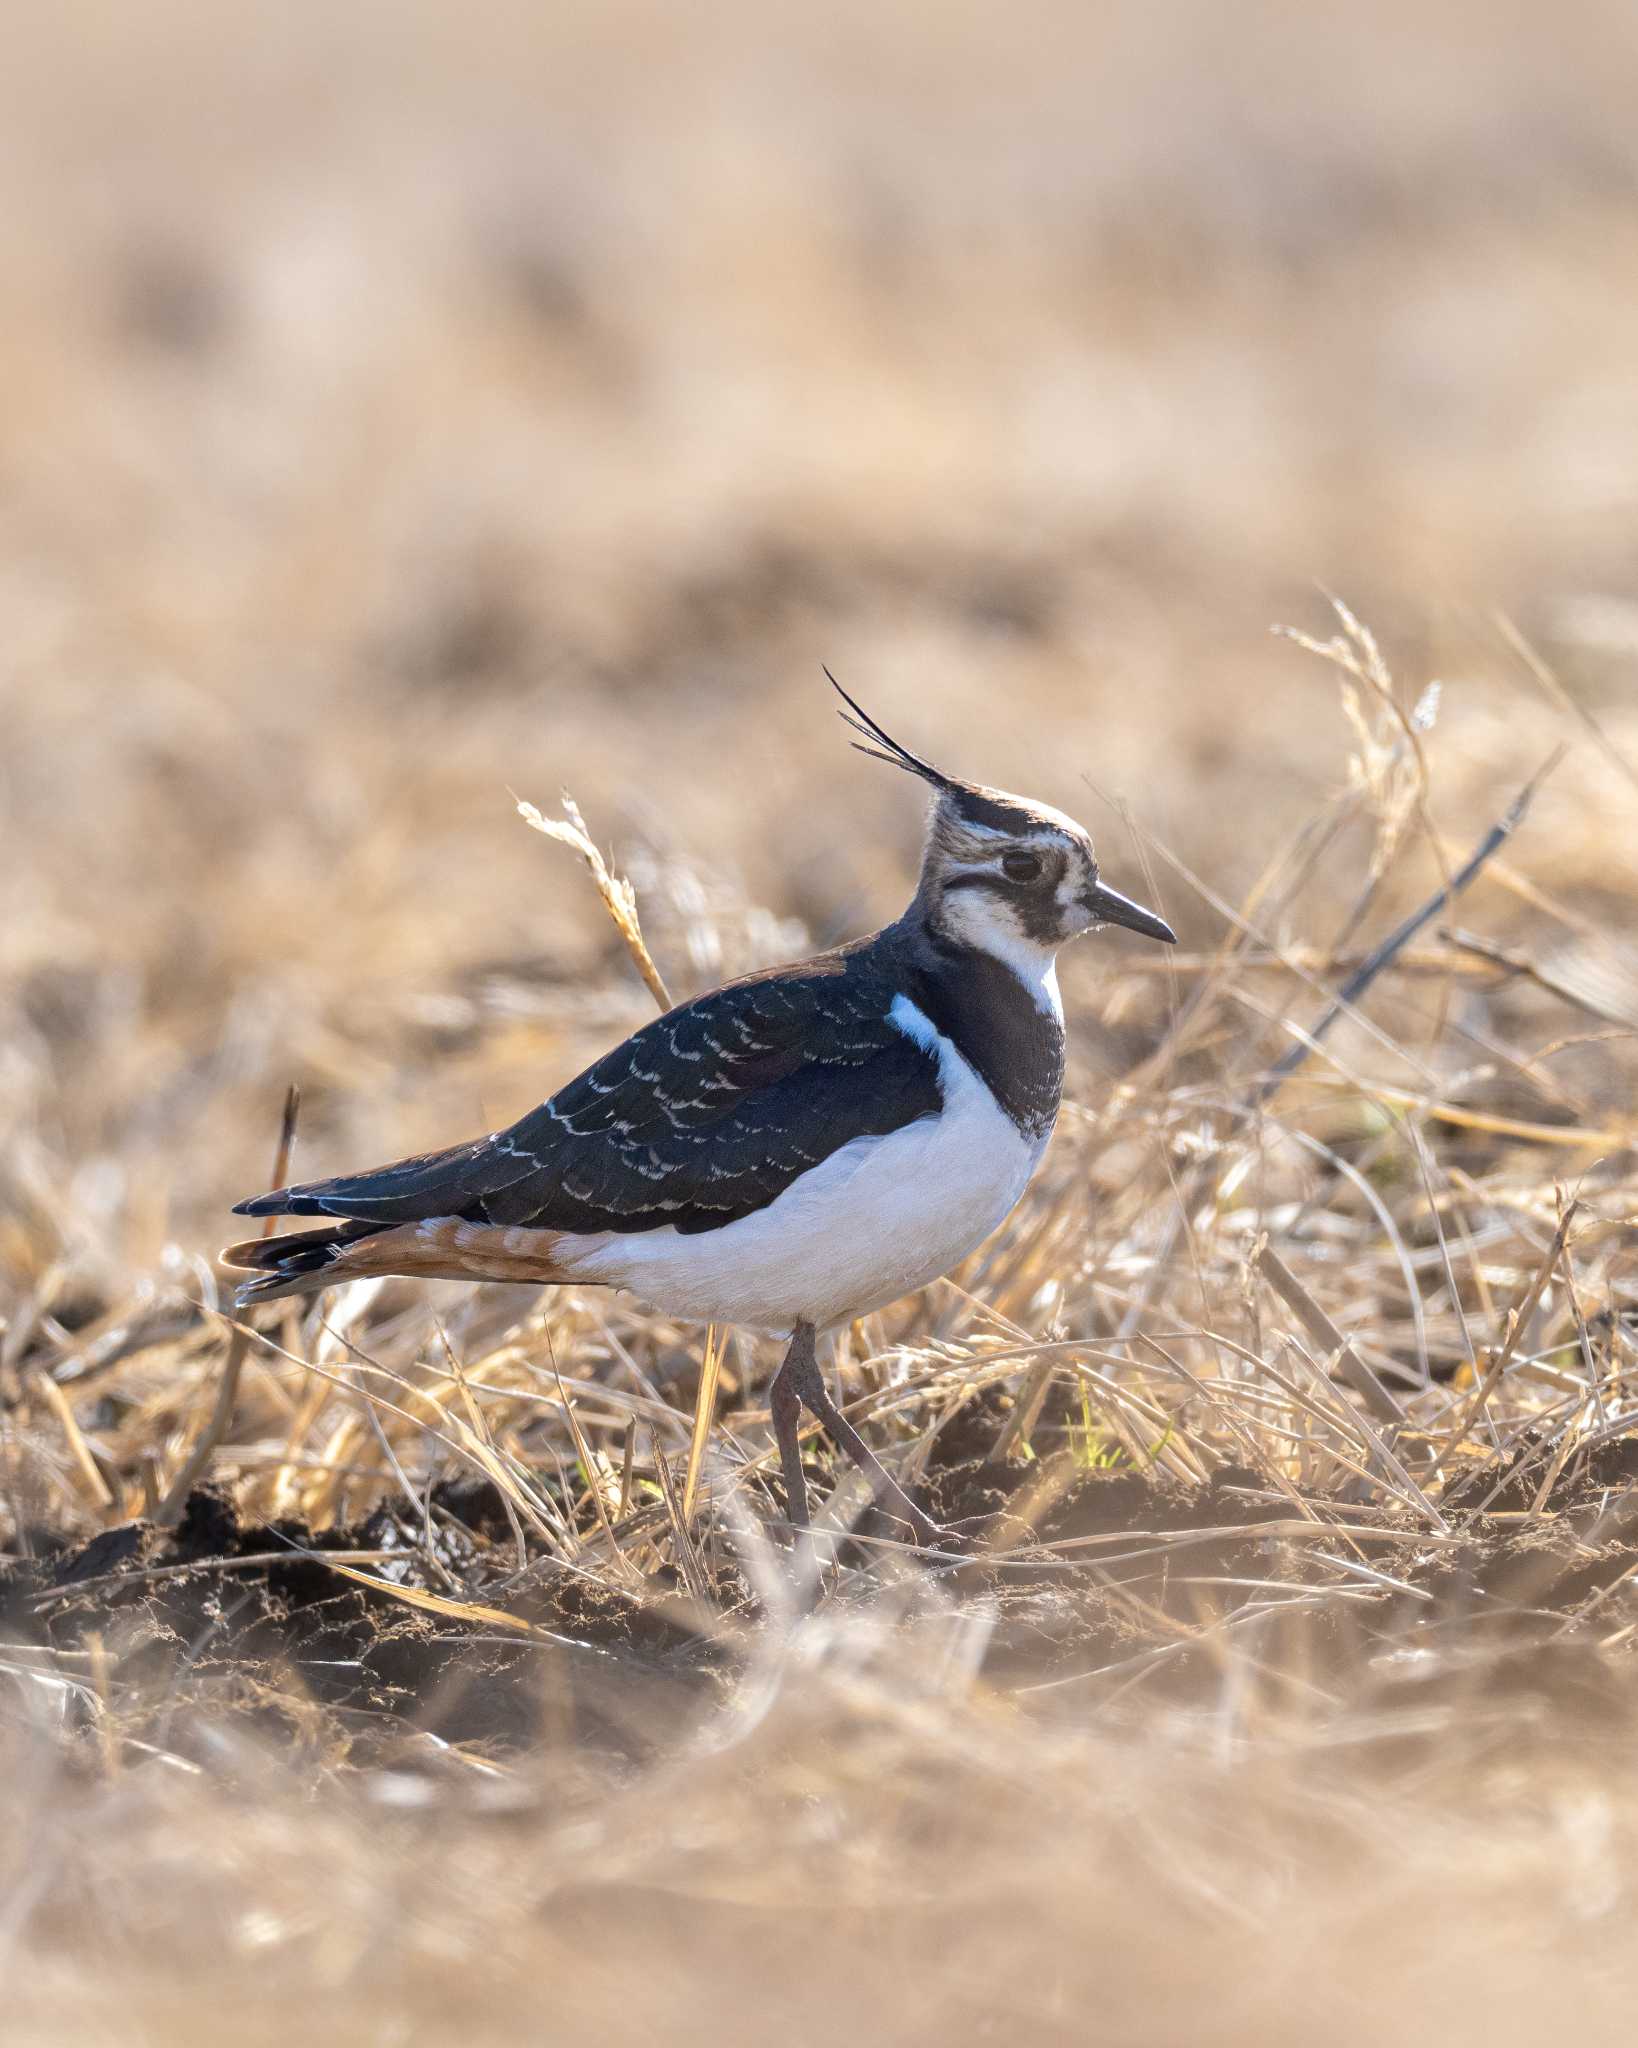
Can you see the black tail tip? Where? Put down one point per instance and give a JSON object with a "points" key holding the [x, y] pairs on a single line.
{"points": [[270, 1287]]}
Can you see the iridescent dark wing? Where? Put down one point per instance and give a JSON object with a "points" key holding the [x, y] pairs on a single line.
{"points": [[704, 1116]]}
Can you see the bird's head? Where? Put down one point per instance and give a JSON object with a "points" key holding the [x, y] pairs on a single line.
{"points": [[1005, 874]]}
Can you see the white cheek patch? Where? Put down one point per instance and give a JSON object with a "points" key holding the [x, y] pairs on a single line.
{"points": [[981, 918]]}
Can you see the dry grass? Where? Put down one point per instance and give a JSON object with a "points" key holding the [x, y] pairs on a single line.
{"points": [[542, 403]]}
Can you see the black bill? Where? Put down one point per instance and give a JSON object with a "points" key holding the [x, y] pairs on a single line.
{"points": [[1109, 906]]}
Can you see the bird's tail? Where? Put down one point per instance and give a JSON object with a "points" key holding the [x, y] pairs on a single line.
{"points": [[299, 1264], [440, 1248]]}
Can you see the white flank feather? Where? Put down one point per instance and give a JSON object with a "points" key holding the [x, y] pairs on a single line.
{"points": [[878, 1219]]}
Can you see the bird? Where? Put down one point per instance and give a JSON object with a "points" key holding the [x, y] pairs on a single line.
{"points": [[788, 1152]]}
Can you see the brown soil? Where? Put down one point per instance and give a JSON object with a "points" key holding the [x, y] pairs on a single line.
{"points": [[257, 1622], [351, 1671]]}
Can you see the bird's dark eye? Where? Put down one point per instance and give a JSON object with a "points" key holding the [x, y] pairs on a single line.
{"points": [[1021, 867]]}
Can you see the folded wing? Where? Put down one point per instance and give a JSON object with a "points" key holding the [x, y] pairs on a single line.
{"points": [[702, 1117]]}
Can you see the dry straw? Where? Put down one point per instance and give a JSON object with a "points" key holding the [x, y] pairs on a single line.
{"points": [[1307, 1363]]}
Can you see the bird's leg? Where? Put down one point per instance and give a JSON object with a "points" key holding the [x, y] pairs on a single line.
{"points": [[802, 1364], [785, 1407]]}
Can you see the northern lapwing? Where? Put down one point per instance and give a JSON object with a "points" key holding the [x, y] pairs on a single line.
{"points": [[788, 1152]]}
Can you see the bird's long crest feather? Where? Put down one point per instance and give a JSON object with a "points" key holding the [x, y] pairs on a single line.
{"points": [[889, 749]]}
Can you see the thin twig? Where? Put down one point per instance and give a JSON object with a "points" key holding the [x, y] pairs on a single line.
{"points": [[1360, 980], [1517, 1319], [193, 1466]]}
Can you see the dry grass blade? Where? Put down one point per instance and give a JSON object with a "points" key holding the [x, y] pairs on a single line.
{"points": [[1384, 955], [1572, 1137], [435, 1603], [60, 1405], [682, 1538], [705, 1408], [1517, 1318], [194, 1466], [507, 1479], [1614, 1005], [1015, 1432], [469, 1443], [1573, 705], [248, 1561], [588, 1465], [1325, 1333], [619, 897]]}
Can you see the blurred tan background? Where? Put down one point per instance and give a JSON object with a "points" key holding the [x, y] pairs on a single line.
{"points": [[401, 404]]}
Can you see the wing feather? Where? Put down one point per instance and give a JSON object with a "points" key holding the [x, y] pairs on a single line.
{"points": [[703, 1116]]}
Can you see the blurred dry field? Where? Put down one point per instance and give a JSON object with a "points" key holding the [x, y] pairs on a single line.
{"points": [[405, 407]]}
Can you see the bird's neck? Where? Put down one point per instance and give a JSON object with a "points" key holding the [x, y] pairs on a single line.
{"points": [[999, 1007], [968, 921]]}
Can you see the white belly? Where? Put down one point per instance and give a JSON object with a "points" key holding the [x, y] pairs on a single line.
{"points": [[877, 1219]]}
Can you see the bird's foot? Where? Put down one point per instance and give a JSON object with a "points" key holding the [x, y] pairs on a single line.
{"points": [[937, 1539]]}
